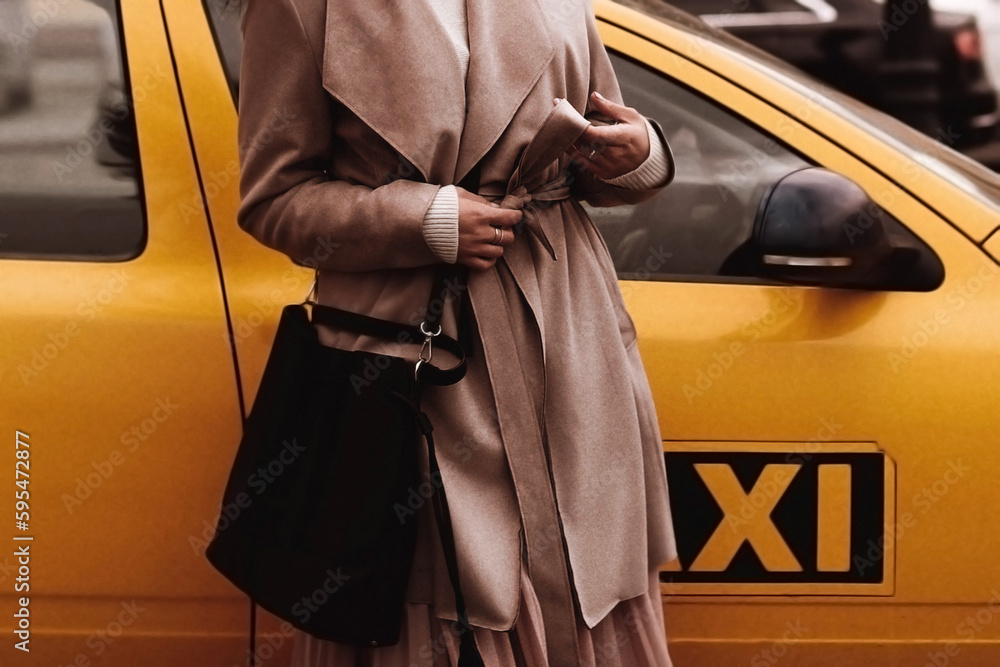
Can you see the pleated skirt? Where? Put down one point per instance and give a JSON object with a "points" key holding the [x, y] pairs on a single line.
{"points": [[631, 635]]}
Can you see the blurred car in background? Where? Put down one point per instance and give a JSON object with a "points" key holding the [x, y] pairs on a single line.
{"points": [[987, 13], [968, 93], [844, 43]]}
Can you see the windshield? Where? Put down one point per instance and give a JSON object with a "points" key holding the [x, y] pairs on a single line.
{"points": [[965, 173]]}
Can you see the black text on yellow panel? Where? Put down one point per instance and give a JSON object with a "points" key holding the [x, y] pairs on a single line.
{"points": [[781, 518]]}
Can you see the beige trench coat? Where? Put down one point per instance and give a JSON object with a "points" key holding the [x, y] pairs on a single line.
{"points": [[373, 120]]}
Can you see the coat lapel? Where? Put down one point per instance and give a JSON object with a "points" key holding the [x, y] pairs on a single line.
{"points": [[510, 47], [391, 63]]}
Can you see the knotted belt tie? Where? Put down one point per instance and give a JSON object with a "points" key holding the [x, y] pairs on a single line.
{"points": [[530, 203], [558, 131]]}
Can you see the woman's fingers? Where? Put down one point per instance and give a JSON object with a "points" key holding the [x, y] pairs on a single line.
{"points": [[492, 251], [480, 263], [505, 217], [609, 150], [612, 150], [619, 112], [498, 236], [587, 160], [602, 136], [606, 141], [483, 258], [485, 230], [506, 236]]}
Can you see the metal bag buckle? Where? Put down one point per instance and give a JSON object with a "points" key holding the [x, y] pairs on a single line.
{"points": [[427, 347]]}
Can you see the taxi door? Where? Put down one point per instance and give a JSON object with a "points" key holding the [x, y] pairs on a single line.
{"points": [[258, 281], [118, 397], [827, 450]]}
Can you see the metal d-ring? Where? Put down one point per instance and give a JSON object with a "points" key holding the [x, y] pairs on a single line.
{"points": [[428, 346]]}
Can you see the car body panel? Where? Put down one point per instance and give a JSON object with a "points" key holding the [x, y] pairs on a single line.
{"points": [[130, 403], [992, 246], [249, 268], [792, 382], [258, 280]]}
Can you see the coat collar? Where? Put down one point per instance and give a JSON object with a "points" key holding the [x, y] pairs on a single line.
{"points": [[392, 63]]}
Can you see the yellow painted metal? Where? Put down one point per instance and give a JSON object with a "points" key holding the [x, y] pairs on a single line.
{"points": [[759, 531], [905, 168], [913, 372], [122, 376], [833, 518], [259, 281], [992, 246]]}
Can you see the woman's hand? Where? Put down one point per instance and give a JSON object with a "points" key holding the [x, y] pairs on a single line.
{"points": [[612, 150], [478, 221]]}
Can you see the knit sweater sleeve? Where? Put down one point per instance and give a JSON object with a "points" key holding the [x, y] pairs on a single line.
{"points": [[440, 224]]}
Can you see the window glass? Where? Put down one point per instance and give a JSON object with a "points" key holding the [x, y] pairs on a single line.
{"points": [[722, 168], [69, 169], [224, 16]]}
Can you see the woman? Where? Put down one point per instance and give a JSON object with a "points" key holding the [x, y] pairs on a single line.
{"points": [[419, 132]]}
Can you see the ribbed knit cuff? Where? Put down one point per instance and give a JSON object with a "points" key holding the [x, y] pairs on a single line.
{"points": [[440, 225], [652, 172]]}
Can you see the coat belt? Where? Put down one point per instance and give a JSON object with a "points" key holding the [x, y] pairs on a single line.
{"points": [[523, 436], [558, 131], [531, 202]]}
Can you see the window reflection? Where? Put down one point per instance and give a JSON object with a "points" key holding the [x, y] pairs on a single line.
{"points": [[68, 155], [225, 19], [723, 167]]}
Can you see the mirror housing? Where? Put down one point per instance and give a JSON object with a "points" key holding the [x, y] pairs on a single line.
{"points": [[816, 227]]}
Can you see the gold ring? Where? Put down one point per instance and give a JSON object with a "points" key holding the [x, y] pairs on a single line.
{"points": [[497, 236], [502, 230]]}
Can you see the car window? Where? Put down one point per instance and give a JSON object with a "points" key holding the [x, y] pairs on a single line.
{"points": [[69, 168], [723, 167], [976, 179], [224, 15]]}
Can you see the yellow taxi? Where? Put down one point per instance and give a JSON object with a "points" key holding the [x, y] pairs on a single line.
{"points": [[816, 297]]}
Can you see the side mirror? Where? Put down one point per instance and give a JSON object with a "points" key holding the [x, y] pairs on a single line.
{"points": [[816, 227]]}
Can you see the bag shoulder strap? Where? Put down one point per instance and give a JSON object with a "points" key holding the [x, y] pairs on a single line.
{"points": [[446, 278]]}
